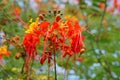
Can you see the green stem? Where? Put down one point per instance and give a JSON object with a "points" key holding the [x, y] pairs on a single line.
{"points": [[102, 18], [66, 71], [55, 65], [108, 68], [48, 71]]}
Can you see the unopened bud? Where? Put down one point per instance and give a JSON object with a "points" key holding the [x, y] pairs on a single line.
{"points": [[58, 18], [80, 59], [55, 12], [49, 11], [18, 55], [82, 50], [41, 17], [58, 12]]}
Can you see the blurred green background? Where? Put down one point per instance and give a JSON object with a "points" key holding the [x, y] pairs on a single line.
{"points": [[101, 61]]}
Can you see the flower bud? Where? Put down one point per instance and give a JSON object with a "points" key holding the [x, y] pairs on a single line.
{"points": [[18, 55], [58, 18], [41, 17], [82, 50]]}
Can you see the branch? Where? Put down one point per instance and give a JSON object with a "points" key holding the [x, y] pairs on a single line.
{"points": [[107, 69]]}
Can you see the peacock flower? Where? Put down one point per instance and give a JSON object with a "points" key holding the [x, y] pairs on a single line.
{"points": [[77, 38], [74, 36], [77, 43], [64, 35], [73, 26], [30, 42]]}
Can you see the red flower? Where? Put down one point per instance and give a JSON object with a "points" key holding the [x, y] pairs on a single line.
{"points": [[44, 27], [75, 34], [59, 35], [46, 55], [55, 26], [1, 56], [66, 50], [43, 58], [58, 18], [70, 28], [30, 42], [77, 43], [77, 27]]}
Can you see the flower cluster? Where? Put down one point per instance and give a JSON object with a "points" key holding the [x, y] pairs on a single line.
{"points": [[59, 34]]}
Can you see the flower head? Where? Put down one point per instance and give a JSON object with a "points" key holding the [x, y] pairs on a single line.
{"points": [[64, 35]]}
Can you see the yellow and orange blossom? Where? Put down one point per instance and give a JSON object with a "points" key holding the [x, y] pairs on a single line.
{"points": [[4, 51], [32, 26]]}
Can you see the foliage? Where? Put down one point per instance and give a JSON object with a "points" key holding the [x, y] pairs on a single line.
{"points": [[101, 29]]}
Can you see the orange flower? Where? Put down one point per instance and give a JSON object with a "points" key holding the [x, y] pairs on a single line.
{"points": [[55, 26], [30, 42], [75, 34], [17, 11], [77, 43], [77, 38], [102, 5], [57, 35], [44, 27], [4, 51], [66, 50]]}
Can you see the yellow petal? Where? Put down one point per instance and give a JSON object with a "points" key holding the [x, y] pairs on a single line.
{"points": [[30, 20], [37, 19]]}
